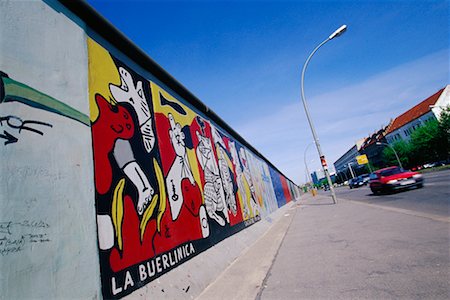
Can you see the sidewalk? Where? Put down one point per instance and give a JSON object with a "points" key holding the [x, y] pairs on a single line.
{"points": [[343, 251]]}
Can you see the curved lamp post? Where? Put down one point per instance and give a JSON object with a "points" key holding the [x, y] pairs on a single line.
{"points": [[351, 170], [398, 159], [335, 34], [306, 165]]}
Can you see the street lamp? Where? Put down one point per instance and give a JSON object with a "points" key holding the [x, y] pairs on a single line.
{"points": [[306, 165], [398, 159], [335, 34], [351, 170]]}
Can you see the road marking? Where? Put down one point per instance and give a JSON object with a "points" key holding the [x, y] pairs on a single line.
{"points": [[404, 211]]}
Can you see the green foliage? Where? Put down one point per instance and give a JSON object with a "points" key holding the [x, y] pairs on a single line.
{"points": [[428, 143], [444, 129], [402, 149], [369, 168]]}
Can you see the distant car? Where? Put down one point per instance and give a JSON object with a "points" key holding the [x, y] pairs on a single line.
{"points": [[353, 183], [433, 164], [394, 178], [358, 181], [365, 178]]}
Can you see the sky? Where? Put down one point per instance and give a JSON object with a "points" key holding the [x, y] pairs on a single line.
{"points": [[243, 59]]}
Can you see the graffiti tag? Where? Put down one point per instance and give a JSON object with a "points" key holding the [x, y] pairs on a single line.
{"points": [[14, 236], [16, 123]]}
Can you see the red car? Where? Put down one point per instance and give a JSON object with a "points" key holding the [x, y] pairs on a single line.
{"points": [[394, 178]]}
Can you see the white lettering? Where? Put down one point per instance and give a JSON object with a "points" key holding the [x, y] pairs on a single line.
{"points": [[165, 263], [185, 250], [142, 273], [180, 253], [128, 280], [175, 255], [192, 248], [172, 263], [158, 264], [115, 290], [151, 271]]}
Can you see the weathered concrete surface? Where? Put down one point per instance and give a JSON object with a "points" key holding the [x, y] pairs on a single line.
{"points": [[48, 242], [353, 251]]}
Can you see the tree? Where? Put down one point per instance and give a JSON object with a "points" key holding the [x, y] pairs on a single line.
{"points": [[403, 151], [427, 144], [444, 131]]}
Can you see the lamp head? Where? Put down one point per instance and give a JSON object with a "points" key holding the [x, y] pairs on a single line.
{"points": [[338, 32]]}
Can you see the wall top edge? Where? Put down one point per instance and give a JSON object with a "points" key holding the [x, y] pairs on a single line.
{"points": [[115, 37]]}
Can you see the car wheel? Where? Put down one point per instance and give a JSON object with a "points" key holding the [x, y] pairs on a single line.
{"points": [[420, 185], [375, 192]]}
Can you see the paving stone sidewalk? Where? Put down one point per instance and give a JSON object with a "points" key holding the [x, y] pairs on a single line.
{"points": [[346, 251], [354, 251]]}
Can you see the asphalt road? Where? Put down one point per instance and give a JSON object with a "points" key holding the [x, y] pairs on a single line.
{"points": [[433, 198]]}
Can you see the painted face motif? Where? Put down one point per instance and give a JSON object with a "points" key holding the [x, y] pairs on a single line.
{"points": [[204, 146], [115, 120]]}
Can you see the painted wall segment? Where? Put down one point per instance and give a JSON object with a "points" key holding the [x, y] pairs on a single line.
{"points": [[169, 183]]}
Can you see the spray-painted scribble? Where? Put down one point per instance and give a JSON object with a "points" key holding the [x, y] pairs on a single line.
{"points": [[16, 125]]}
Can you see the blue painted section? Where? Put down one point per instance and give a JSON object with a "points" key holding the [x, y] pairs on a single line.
{"points": [[278, 187]]}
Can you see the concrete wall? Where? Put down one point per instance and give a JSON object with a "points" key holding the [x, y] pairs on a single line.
{"points": [[47, 213], [109, 179]]}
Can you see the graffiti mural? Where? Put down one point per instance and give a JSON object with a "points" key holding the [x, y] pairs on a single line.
{"points": [[169, 183]]}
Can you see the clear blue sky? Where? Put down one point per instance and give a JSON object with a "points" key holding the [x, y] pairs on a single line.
{"points": [[243, 59]]}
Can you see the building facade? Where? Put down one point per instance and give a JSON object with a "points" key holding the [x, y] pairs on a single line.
{"points": [[429, 109], [398, 129], [373, 149], [346, 164]]}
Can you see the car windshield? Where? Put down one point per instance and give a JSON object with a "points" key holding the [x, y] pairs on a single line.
{"points": [[390, 172]]}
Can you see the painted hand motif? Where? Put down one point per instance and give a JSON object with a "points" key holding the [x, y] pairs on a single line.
{"points": [[177, 137], [179, 170]]}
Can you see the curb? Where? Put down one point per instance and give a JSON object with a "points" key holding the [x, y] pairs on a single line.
{"points": [[253, 265]]}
